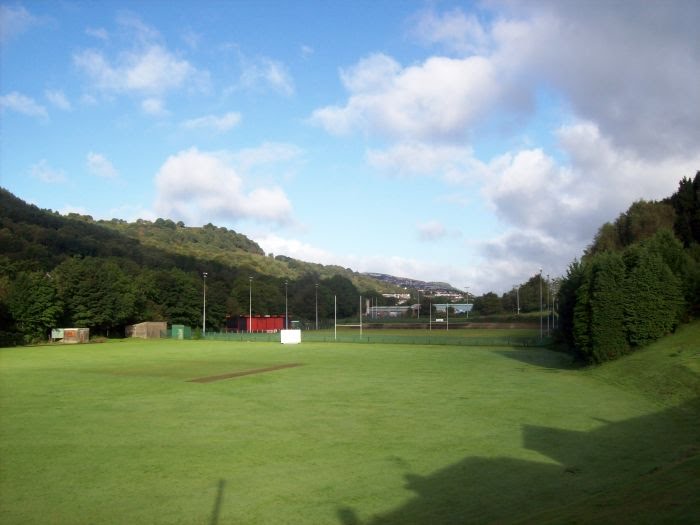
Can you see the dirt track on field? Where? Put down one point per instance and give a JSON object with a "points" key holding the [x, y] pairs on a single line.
{"points": [[230, 375]]}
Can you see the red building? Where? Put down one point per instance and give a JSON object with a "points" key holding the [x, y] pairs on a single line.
{"points": [[257, 323]]}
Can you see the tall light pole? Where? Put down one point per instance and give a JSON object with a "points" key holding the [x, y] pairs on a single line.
{"points": [[286, 310], [541, 304], [418, 305], [204, 308], [548, 294], [250, 304], [466, 289], [316, 306]]}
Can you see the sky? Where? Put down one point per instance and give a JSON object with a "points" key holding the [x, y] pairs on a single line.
{"points": [[473, 143]]}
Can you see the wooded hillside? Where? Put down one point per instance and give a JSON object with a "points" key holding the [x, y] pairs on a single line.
{"points": [[74, 271]]}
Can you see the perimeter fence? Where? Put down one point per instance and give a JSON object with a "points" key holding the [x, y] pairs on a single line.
{"points": [[374, 338]]}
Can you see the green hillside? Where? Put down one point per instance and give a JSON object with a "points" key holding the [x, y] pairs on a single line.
{"points": [[75, 271], [667, 373]]}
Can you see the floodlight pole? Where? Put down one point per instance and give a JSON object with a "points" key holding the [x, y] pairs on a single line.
{"points": [[541, 335], [286, 312], [316, 306], [430, 324], [335, 317], [250, 304], [418, 305], [360, 317], [204, 308], [466, 289], [447, 309], [548, 294]]}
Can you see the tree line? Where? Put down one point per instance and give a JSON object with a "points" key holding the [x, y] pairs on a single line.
{"points": [[70, 271], [637, 281]]}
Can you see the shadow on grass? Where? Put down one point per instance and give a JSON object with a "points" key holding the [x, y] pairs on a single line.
{"points": [[541, 357], [635, 471], [217, 503]]}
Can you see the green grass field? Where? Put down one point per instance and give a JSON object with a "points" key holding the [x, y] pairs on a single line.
{"points": [[358, 433]]}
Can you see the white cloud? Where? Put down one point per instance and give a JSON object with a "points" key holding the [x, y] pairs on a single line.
{"points": [[216, 123], [450, 162], [153, 70], [632, 68], [266, 154], [441, 98], [154, 106], [58, 99], [200, 187], [20, 103], [266, 73], [14, 20], [99, 166], [272, 243], [44, 172]]}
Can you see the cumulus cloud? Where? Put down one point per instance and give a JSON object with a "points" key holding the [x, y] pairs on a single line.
{"points": [[23, 104], [216, 123], [145, 67], [153, 70], [625, 76], [99, 166], [631, 68], [199, 187], [441, 98]]}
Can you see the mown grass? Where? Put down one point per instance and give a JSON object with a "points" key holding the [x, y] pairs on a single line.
{"points": [[115, 433]]}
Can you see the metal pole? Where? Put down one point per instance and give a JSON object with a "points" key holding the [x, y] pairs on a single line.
{"points": [[335, 318], [517, 296], [204, 309], [286, 312], [430, 326], [467, 290], [316, 306], [548, 294], [419, 305], [250, 304], [447, 309], [541, 335], [360, 317]]}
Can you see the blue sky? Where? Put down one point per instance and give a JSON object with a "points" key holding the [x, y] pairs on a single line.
{"points": [[472, 143]]}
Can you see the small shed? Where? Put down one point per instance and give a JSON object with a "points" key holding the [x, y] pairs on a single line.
{"points": [[70, 335], [147, 330]]}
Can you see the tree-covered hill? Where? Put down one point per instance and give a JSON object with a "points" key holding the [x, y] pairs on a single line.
{"points": [[638, 280], [74, 271]]}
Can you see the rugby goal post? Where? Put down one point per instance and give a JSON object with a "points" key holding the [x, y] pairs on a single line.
{"points": [[335, 317]]}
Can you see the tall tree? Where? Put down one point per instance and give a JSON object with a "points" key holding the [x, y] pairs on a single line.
{"points": [[34, 305], [599, 319]]}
